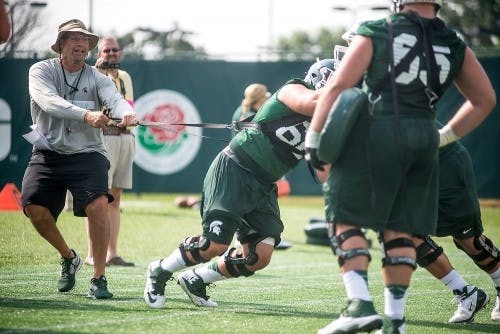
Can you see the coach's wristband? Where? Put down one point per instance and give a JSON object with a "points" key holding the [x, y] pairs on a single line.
{"points": [[447, 135]]}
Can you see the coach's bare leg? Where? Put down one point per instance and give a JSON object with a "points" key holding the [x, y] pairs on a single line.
{"points": [[114, 228], [97, 212], [45, 224]]}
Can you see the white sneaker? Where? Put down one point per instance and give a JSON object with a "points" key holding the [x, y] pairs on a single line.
{"points": [[470, 301], [156, 279], [195, 288], [495, 313]]}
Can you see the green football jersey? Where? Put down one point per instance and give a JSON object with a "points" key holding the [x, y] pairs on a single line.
{"points": [[410, 62], [278, 145]]}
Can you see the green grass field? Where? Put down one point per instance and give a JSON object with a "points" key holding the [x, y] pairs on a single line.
{"points": [[300, 292]]}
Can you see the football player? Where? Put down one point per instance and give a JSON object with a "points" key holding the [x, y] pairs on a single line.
{"points": [[387, 179], [459, 216], [240, 195]]}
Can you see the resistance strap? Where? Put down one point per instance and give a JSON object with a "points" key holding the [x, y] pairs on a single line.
{"points": [[232, 126]]}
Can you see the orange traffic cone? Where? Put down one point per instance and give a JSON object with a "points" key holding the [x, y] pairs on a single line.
{"points": [[10, 198]]}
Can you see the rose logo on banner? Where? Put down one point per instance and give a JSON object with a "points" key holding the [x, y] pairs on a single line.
{"points": [[167, 149]]}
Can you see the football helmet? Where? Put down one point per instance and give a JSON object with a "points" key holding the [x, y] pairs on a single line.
{"points": [[319, 72], [397, 4]]}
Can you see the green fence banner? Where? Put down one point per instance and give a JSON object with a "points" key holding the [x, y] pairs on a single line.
{"points": [[205, 91]]}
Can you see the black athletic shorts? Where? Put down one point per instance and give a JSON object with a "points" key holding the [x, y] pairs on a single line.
{"points": [[459, 211], [50, 174]]}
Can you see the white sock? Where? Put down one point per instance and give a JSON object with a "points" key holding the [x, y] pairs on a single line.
{"points": [[173, 262], [356, 285], [496, 277], [454, 281], [209, 274], [394, 304]]}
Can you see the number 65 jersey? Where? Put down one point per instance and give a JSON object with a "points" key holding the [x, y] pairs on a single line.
{"points": [[410, 61]]}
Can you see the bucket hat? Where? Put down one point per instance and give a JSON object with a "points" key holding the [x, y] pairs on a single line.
{"points": [[76, 26]]}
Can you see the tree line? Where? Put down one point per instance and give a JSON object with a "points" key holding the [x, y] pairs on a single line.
{"points": [[475, 20]]}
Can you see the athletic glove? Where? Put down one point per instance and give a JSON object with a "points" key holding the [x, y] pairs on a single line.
{"points": [[311, 148]]}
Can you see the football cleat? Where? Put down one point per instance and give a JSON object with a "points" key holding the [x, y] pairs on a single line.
{"points": [[470, 301], [358, 316], [156, 279], [69, 268], [195, 288]]}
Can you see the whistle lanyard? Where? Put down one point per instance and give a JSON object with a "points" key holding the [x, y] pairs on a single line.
{"points": [[74, 88]]}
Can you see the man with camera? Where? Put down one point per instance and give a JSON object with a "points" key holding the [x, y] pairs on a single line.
{"points": [[120, 147]]}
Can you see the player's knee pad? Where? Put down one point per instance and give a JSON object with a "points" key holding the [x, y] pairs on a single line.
{"points": [[342, 254], [396, 260], [236, 263], [428, 252], [193, 245], [252, 240], [488, 250]]}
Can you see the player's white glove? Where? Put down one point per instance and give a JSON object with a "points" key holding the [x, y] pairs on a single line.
{"points": [[311, 144]]}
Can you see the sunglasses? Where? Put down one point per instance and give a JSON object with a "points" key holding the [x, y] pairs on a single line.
{"points": [[109, 50]]}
